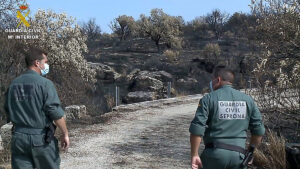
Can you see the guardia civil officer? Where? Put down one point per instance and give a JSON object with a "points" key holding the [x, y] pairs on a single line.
{"points": [[222, 119], [32, 105]]}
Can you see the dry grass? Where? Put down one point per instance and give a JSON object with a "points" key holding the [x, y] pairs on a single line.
{"points": [[110, 101], [271, 155], [177, 93], [171, 55], [5, 154]]}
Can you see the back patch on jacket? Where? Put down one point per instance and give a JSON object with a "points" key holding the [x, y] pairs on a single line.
{"points": [[22, 92], [232, 110]]}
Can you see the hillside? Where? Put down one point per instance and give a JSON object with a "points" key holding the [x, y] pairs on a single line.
{"points": [[190, 70]]}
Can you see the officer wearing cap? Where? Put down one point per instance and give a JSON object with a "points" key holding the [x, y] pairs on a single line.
{"points": [[32, 105], [222, 119]]}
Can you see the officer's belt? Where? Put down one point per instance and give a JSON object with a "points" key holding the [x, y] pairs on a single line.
{"points": [[225, 146], [27, 130]]}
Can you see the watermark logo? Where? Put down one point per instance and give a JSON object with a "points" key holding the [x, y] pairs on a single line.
{"points": [[23, 17], [24, 33]]}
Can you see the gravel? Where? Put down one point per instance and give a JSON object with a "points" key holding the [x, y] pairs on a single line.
{"points": [[153, 137]]}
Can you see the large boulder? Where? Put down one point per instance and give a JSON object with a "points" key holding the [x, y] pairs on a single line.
{"points": [[188, 85], [74, 112], [159, 75], [187, 80], [132, 74], [5, 133], [146, 83], [139, 96], [163, 76], [104, 72], [153, 84]]}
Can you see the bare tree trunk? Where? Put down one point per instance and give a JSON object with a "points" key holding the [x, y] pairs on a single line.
{"points": [[157, 45]]}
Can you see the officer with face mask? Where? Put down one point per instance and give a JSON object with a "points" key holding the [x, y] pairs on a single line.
{"points": [[33, 107], [222, 119]]}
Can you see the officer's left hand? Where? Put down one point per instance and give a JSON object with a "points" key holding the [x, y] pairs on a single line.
{"points": [[196, 162], [65, 141], [250, 162]]}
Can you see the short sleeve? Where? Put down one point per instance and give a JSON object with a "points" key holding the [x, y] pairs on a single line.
{"points": [[52, 106], [198, 125], [256, 125]]}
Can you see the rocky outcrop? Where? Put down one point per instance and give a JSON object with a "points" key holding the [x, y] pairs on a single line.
{"points": [[190, 85], [159, 75], [145, 85], [75, 112], [104, 72], [139, 96], [187, 80], [132, 74], [5, 133]]}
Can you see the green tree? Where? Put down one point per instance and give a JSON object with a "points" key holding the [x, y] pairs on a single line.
{"points": [[279, 33], [124, 26], [212, 52], [64, 40], [197, 28], [161, 27], [241, 24], [277, 72], [65, 43]]}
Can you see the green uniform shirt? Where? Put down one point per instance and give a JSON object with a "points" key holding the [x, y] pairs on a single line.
{"points": [[226, 113], [32, 101]]}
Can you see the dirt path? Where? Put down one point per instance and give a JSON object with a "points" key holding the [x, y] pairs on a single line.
{"points": [[153, 138]]}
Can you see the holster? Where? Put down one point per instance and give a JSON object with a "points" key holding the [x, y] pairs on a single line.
{"points": [[248, 156], [50, 131]]}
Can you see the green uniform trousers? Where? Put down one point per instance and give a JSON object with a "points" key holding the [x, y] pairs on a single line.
{"points": [[29, 151], [221, 159], [216, 158]]}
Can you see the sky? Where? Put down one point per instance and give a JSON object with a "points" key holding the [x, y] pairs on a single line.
{"points": [[104, 11]]}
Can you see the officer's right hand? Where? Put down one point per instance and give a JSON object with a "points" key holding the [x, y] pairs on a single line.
{"points": [[196, 162], [64, 141]]}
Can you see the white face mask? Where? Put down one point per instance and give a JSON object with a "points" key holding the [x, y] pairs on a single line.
{"points": [[211, 86], [45, 70]]}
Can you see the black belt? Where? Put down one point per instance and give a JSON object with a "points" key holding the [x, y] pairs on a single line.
{"points": [[226, 147]]}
